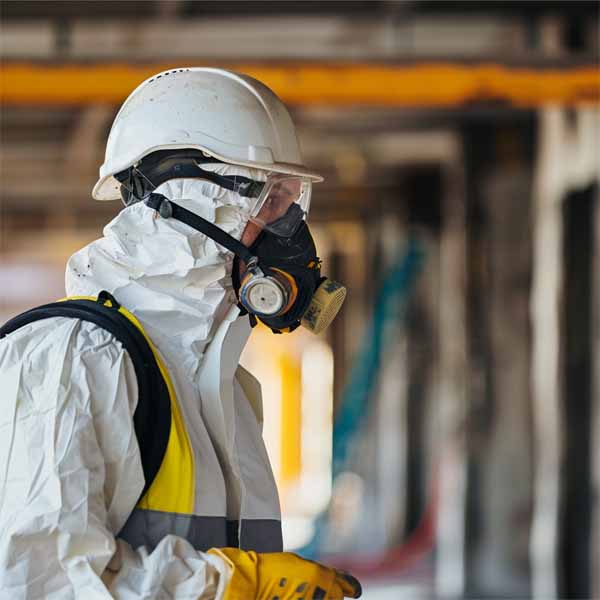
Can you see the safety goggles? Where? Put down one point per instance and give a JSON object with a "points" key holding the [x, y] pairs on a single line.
{"points": [[282, 204], [279, 204]]}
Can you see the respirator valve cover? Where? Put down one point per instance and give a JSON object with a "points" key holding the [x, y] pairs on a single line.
{"points": [[268, 295]]}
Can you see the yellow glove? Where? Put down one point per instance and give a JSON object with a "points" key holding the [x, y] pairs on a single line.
{"points": [[283, 576]]}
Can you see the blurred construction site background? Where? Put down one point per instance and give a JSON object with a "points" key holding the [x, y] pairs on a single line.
{"points": [[442, 439]]}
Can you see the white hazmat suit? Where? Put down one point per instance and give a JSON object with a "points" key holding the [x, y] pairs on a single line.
{"points": [[70, 468]]}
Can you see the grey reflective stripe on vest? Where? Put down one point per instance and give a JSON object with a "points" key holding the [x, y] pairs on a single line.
{"points": [[149, 527], [261, 535]]}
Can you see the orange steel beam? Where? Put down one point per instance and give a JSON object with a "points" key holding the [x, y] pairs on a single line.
{"points": [[421, 84]]}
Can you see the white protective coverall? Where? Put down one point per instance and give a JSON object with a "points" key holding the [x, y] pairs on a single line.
{"points": [[70, 464]]}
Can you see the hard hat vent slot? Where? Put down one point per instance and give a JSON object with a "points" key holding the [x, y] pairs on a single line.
{"points": [[167, 73]]}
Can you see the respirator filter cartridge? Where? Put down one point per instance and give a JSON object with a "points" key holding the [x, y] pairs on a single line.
{"points": [[324, 306]]}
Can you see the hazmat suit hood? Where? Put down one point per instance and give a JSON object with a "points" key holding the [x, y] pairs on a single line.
{"points": [[176, 280]]}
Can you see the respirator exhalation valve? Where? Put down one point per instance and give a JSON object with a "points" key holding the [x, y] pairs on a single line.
{"points": [[267, 295]]}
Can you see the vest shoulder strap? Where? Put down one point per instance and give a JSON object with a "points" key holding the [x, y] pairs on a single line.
{"points": [[153, 413]]}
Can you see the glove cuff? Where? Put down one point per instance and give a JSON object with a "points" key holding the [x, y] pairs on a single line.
{"points": [[243, 566]]}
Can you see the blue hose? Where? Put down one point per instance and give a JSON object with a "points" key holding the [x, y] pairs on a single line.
{"points": [[388, 309]]}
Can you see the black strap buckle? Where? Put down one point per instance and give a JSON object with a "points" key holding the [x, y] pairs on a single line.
{"points": [[160, 204], [105, 296]]}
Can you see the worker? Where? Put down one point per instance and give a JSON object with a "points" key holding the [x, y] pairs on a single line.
{"points": [[132, 460]]}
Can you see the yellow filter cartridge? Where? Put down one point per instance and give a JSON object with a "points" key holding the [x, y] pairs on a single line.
{"points": [[324, 306]]}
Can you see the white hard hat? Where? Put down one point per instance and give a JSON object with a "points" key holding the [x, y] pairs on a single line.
{"points": [[233, 118]]}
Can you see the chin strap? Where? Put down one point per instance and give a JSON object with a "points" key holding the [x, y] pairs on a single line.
{"points": [[168, 209]]}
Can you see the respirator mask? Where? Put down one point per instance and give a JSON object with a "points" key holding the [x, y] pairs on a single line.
{"points": [[277, 278]]}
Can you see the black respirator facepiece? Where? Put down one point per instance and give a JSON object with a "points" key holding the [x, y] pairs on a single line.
{"points": [[279, 286], [282, 284]]}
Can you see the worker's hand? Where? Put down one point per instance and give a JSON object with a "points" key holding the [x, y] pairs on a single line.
{"points": [[283, 576]]}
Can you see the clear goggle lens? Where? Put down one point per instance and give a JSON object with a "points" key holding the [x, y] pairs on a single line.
{"points": [[283, 204]]}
